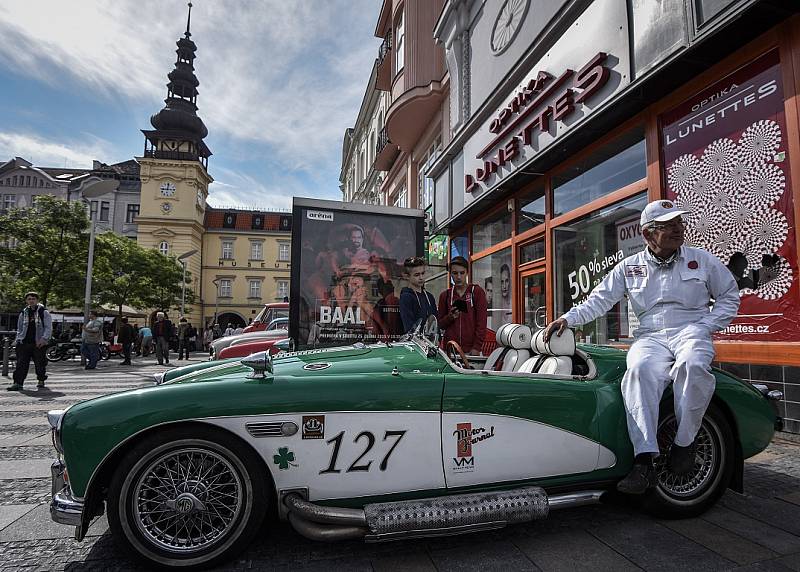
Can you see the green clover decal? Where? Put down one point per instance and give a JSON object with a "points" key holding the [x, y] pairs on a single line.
{"points": [[284, 458]]}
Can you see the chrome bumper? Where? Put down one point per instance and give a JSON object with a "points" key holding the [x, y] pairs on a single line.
{"points": [[64, 508]]}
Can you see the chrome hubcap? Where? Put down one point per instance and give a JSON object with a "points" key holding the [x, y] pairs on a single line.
{"points": [[185, 500], [705, 461]]}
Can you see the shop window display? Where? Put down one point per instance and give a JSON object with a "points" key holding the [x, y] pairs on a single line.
{"points": [[491, 230], [493, 273], [531, 251], [585, 251], [530, 209], [613, 166]]}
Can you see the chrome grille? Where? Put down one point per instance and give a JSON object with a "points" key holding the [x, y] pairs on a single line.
{"points": [[271, 428]]}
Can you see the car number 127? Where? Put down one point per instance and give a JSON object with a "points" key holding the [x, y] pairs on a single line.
{"points": [[369, 438]]}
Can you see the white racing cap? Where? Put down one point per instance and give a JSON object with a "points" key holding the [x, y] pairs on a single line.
{"points": [[660, 211]]}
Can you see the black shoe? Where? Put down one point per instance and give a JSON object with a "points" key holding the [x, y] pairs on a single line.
{"points": [[642, 477], [14, 387], [682, 459], [40, 385]]}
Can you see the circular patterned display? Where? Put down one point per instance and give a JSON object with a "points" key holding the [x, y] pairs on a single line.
{"points": [[508, 22], [683, 173], [719, 159], [763, 186], [759, 142], [730, 191]]}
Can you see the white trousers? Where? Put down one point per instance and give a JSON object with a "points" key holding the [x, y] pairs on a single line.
{"points": [[679, 355]]}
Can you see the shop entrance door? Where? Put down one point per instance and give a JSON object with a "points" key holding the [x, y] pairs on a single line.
{"points": [[533, 284]]}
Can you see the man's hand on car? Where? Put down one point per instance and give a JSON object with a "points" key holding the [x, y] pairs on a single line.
{"points": [[556, 326]]}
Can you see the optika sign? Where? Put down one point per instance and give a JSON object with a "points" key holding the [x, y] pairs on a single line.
{"points": [[543, 99]]}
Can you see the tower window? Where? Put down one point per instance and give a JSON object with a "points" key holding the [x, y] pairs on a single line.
{"points": [[163, 247]]}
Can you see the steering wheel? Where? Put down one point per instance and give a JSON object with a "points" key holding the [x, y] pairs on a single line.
{"points": [[454, 351]]}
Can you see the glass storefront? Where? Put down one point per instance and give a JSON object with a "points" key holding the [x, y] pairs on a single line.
{"points": [[493, 273], [530, 212], [534, 301], [493, 229], [622, 162], [585, 251]]}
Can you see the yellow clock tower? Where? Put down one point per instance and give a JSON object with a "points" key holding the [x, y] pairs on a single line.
{"points": [[174, 171]]}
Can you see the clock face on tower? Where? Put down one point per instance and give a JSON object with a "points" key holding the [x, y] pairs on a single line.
{"points": [[167, 189], [201, 200]]}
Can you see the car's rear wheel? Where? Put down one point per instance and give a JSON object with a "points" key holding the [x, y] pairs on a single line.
{"points": [[692, 494], [53, 354], [187, 498]]}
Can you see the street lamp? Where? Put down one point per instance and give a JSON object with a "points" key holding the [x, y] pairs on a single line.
{"points": [[182, 259], [91, 188], [215, 282]]}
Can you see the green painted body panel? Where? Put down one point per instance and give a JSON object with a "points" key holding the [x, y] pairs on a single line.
{"points": [[92, 429], [186, 369], [361, 379]]}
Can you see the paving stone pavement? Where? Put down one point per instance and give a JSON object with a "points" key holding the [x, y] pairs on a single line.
{"points": [[756, 531]]}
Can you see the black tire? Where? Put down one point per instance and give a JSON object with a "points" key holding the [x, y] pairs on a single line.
{"points": [[692, 495], [53, 354], [207, 537]]}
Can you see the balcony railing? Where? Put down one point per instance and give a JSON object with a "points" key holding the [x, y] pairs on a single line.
{"points": [[383, 141], [386, 47]]}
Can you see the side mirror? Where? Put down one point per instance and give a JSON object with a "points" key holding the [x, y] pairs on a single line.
{"points": [[260, 363]]}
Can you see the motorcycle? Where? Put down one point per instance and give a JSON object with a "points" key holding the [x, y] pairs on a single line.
{"points": [[67, 350]]}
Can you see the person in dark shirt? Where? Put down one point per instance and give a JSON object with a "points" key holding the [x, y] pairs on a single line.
{"points": [[462, 309], [126, 338], [34, 328], [162, 332], [416, 303]]}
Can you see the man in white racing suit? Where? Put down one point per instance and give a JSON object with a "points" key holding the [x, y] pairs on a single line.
{"points": [[670, 287]]}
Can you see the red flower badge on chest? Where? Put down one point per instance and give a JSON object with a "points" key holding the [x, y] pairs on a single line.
{"points": [[693, 264]]}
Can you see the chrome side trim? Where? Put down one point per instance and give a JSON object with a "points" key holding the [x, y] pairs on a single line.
{"points": [[325, 532], [570, 500], [324, 514], [271, 428]]}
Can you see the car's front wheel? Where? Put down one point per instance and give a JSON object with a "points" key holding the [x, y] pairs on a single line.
{"points": [[186, 498], [692, 494]]}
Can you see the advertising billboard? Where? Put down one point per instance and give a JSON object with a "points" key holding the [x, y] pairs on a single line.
{"points": [[726, 162], [347, 271]]}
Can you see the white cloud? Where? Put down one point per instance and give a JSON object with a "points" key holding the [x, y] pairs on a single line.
{"points": [[74, 154], [285, 76]]}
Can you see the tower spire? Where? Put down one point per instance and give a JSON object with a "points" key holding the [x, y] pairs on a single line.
{"points": [[189, 21]]}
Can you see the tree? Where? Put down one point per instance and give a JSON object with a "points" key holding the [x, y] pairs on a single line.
{"points": [[44, 248], [121, 274], [164, 283]]}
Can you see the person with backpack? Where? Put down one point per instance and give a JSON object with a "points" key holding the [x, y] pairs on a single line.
{"points": [[34, 328], [463, 309]]}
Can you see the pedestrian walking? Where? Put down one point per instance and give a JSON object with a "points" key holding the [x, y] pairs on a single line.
{"points": [[146, 343], [183, 338], [208, 337], [126, 337], [670, 287], [91, 338], [34, 328], [162, 332]]}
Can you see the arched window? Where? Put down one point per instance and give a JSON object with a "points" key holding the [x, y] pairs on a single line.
{"points": [[163, 248]]}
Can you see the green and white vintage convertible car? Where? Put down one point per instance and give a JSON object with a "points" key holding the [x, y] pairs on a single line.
{"points": [[376, 442]]}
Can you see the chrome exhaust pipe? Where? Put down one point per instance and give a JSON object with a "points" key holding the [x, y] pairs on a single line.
{"points": [[325, 532], [324, 514], [570, 500]]}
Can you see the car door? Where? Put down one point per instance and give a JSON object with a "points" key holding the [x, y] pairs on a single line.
{"points": [[518, 427]]}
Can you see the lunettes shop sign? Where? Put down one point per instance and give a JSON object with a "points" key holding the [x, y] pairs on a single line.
{"points": [[543, 100]]}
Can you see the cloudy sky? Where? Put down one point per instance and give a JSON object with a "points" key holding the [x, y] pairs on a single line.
{"points": [[280, 81]]}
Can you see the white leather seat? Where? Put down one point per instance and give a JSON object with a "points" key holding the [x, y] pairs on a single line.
{"points": [[513, 348], [558, 351]]}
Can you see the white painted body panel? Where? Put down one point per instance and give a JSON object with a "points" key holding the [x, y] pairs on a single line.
{"points": [[414, 464], [506, 448]]}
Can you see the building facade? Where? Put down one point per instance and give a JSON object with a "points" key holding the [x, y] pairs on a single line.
{"points": [[559, 120], [359, 180], [21, 182], [246, 263]]}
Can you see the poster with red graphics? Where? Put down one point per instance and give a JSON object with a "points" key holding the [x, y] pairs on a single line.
{"points": [[726, 161], [347, 271]]}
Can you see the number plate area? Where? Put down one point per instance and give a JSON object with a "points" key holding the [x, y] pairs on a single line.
{"points": [[347, 454]]}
